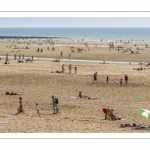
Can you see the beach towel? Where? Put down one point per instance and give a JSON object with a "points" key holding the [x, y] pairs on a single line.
{"points": [[74, 97]]}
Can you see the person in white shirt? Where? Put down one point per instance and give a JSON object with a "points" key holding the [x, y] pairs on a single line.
{"points": [[70, 68], [37, 109]]}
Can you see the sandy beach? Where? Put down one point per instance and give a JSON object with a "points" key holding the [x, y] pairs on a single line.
{"points": [[36, 81]]}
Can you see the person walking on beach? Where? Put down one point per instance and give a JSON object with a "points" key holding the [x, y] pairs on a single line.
{"points": [[63, 69], [126, 79], [37, 109], [107, 79], [61, 54], [95, 77], [19, 56], [32, 57], [69, 55], [120, 81], [15, 56], [20, 109], [53, 103], [70, 68], [75, 69]]}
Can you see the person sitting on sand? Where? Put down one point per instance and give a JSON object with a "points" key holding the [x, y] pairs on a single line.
{"points": [[80, 95], [109, 113]]}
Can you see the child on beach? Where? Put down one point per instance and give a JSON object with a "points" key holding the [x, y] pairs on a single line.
{"points": [[120, 81], [37, 109], [57, 110], [20, 109]]}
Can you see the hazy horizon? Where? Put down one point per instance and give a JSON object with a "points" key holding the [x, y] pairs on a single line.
{"points": [[74, 22]]}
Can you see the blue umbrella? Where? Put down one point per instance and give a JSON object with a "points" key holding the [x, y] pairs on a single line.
{"points": [[138, 48]]}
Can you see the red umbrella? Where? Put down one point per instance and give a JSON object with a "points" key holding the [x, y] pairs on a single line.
{"points": [[72, 46]]}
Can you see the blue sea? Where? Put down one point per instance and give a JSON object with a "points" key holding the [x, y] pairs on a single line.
{"points": [[81, 33]]}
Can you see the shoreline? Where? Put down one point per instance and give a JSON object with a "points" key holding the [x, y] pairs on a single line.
{"points": [[78, 60]]}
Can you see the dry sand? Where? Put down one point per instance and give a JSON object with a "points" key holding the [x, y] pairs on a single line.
{"points": [[36, 83]]}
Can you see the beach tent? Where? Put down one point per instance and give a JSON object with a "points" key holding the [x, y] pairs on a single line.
{"points": [[110, 46], [131, 47], [20, 60], [138, 48]]}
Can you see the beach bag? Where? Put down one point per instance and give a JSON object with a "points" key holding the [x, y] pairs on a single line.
{"points": [[56, 100]]}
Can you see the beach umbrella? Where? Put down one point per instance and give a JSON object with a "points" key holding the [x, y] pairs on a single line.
{"points": [[131, 47], [138, 48], [144, 112]]}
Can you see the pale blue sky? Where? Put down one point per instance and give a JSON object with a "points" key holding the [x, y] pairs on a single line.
{"points": [[74, 22]]}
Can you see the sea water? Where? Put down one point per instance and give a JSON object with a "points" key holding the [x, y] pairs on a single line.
{"points": [[81, 33]]}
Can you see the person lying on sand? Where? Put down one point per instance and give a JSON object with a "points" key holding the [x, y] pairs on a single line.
{"points": [[139, 68], [11, 93], [129, 125], [89, 97]]}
